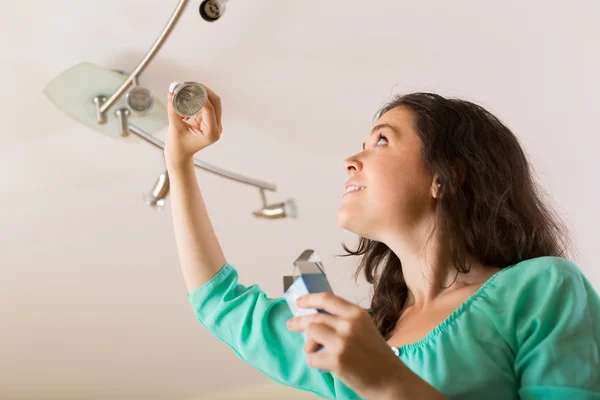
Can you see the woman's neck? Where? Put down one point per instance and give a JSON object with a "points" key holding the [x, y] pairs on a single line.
{"points": [[428, 267]]}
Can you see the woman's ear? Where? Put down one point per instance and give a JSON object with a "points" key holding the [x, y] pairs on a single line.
{"points": [[436, 188]]}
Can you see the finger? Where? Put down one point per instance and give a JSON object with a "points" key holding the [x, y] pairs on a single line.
{"points": [[329, 302], [322, 361], [174, 118], [212, 131], [216, 102], [323, 335], [311, 346], [299, 324], [194, 123], [198, 118]]}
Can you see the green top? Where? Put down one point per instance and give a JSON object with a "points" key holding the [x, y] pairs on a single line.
{"points": [[532, 331]]}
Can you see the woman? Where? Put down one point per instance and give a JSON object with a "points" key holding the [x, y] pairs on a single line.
{"points": [[471, 297]]}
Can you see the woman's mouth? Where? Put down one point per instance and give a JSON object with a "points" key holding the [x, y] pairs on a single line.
{"points": [[353, 188]]}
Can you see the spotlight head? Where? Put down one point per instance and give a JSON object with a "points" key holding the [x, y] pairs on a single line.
{"points": [[188, 98], [160, 190], [140, 100], [212, 10], [286, 209]]}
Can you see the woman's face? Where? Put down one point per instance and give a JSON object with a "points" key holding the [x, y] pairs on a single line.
{"points": [[395, 187]]}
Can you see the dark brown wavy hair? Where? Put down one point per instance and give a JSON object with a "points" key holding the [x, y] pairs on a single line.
{"points": [[491, 208]]}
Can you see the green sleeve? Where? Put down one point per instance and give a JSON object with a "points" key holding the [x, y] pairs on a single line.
{"points": [[254, 327], [556, 331]]}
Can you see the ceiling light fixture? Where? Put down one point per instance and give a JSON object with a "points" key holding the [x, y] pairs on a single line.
{"points": [[87, 93]]}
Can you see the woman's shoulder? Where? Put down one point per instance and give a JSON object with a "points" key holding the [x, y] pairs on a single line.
{"points": [[545, 310], [529, 286], [540, 271]]}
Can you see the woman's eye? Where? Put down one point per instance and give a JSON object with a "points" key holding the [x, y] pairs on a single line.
{"points": [[379, 140]]}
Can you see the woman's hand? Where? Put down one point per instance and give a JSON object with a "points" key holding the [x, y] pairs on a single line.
{"points": [[187, 136], [354, 349]]}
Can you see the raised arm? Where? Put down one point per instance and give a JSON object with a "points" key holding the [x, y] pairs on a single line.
{"points": [[200, 253]]}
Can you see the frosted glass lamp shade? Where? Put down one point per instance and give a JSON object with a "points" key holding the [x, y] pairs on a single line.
{"points": [[73, 92]]}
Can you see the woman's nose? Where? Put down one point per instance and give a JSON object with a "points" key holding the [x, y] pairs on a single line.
{"points": [[352, 165]]}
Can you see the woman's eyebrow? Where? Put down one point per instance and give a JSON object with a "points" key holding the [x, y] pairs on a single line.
{"points": [[379, 127]]}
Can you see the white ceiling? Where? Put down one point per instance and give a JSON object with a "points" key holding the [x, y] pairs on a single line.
{"points": [[92, 304]]}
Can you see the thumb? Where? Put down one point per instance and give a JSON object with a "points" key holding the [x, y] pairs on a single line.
{"points": [[174, 118]]}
